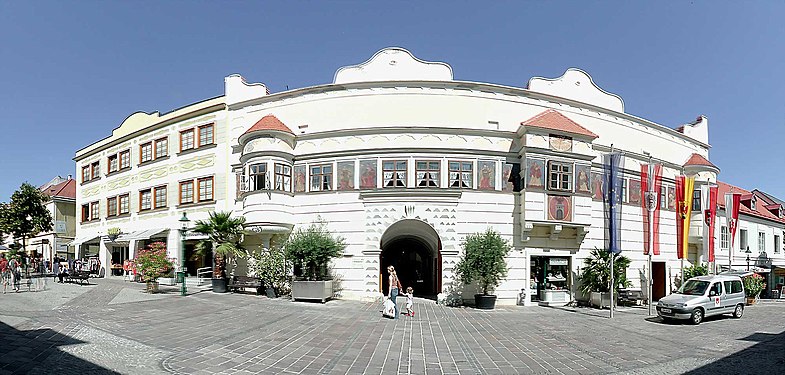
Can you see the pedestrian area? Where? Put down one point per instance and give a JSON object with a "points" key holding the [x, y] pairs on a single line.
{"points": [[112, 327]]}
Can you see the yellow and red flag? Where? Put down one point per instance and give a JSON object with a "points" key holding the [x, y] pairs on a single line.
{"points": [[684, 191]]}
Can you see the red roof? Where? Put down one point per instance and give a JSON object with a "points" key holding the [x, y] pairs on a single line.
{"points": [[269, 122], [65, 189], [696, 159], [554, 120], [760, 210]]}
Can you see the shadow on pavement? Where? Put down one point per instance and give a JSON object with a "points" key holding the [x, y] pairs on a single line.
{"points": [[37, 352], [767, 356]]}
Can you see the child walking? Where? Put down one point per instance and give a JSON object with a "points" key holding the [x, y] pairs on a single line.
{"points": [[409, 301]]}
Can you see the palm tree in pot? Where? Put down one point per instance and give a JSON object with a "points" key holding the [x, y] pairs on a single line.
{"points": [[483, 261], [223, 237], [596, 274]]}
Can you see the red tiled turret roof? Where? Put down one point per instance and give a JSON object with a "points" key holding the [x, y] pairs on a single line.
{"points": [[696, 159], [554, 120], [269, 122]]}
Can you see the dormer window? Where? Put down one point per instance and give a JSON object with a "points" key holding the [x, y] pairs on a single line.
{"points": [[754, 203]]}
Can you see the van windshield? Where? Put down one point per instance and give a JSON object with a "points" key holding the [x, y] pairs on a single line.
{"points": [[694, 288]]}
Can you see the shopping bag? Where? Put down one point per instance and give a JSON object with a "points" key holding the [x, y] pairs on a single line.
{"points": [[389, 308]]}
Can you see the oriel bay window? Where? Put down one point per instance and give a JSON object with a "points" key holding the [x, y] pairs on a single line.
{"points": [[283, 177], [257, 176], [321, 177], [461, 174], [427, 173], [559, 176], [394, 173]]}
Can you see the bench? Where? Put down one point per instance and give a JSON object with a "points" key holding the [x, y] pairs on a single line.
{"points": [[241, 282], [78, 277]]}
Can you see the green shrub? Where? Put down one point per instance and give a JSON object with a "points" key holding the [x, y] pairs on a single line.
{"points": [[596, 274], [483, 260], [311, 249]]}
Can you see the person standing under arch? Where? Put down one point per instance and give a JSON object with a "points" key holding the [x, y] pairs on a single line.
{"points": [[394, 289]]}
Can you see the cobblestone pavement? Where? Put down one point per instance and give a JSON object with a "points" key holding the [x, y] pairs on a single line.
{"points": [[113, 327]]}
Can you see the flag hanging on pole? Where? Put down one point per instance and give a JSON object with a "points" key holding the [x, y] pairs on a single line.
{"points": [[732, 202], [651, 185], [613, 182], [709, 194], [684, 191]]}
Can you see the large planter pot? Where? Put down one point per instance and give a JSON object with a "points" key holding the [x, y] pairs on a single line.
{"points": [[152, 287], [219, 285], [484, 301], [600, 300], [752, 300], [312, 290]]}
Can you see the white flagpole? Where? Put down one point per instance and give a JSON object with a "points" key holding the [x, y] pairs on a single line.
{"points": [[651, 230], [611, 190]]}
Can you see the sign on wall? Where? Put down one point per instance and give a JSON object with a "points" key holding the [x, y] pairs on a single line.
{"points": [[60, 226]]}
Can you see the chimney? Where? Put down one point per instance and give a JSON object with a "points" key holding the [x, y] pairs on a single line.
{"points": [[70, 177]]}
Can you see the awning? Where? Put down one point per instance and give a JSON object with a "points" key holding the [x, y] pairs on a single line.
{"points": [[83, 239], [141, 235]]}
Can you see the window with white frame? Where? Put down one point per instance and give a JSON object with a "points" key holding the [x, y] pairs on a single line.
{"points": [[124, 203], [461, 174], [777, 244], [283, 177], [743, 244], [95, 210], [427, 173], [112, 162], [186, 140], [394, 173], [205, 135], [761, 241], [321, 177], [560, 176], [161, 147], [724, 241], [125, 159], [186, 192], [663, 197], [257, 176]]}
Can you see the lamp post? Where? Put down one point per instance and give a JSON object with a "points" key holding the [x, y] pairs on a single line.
{"points": [[183, 228], [748, 252]]}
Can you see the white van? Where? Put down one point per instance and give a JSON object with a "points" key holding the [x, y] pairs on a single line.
{"points": [[704, 296]]}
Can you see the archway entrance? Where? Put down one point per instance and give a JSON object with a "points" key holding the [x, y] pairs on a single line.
{"points": [[413, 247]]}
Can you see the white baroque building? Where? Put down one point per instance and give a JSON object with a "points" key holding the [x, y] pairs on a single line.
{"points": [[402, 161]]}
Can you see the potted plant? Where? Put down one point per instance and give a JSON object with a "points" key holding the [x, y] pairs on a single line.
{"points": [[753, 285], [483, 260], [310, 250], [152, 263], [272, 267], [223, 237], [595, 276]]}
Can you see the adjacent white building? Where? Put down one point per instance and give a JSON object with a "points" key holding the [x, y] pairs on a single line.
{"points": [[402, 161]]}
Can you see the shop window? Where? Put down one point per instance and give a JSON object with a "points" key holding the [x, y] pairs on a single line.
{"points": [[560, 176], [461, 174], [283, 177], [427, 173], [394, 173], [321, 177]]}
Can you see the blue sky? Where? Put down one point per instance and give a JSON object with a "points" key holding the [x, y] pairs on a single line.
{"points": [[70, 72]]}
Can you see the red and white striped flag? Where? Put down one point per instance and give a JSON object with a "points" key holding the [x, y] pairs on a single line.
{"points": [[651, 182]]}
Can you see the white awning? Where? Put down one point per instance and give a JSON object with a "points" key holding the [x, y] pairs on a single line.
{"points": [[83, 239], [141, 235]]}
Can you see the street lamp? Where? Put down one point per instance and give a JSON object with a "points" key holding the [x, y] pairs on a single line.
{"points": [[183, 228], [748, 252]]}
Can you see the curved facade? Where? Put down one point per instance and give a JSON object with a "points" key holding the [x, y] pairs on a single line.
{"points": [[403, 162]]}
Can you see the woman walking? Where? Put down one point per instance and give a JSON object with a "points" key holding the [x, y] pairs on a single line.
{"points": [[395, 287]]}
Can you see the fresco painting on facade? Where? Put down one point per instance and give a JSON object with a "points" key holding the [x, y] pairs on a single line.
{"points": [[634, 191], [560, 143], [534, 174], [596, 184], [486, 175], [559, 208], [508, 179], [299, 178], [583, 179], [346, 175], [368, 174]]}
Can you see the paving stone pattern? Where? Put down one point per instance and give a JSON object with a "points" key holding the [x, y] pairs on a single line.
{"points": [[113, 327]]}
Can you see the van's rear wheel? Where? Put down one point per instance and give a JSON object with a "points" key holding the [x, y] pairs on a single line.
{"points": [[738, 311], [697, 316]]}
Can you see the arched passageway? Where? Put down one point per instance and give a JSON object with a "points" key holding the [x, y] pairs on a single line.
{"points": [[413, 247]]}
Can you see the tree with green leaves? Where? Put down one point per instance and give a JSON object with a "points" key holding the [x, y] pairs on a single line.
{"points": [[310, 249], [596, 273], [483, 260], [26, 214], [224, 233]]}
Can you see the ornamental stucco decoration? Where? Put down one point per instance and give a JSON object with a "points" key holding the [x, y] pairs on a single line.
{"points": [[577, 85], [394, 64]]}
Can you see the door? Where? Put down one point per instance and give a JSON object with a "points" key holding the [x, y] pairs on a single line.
{"points": [[714, 305], [659, 280]]}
